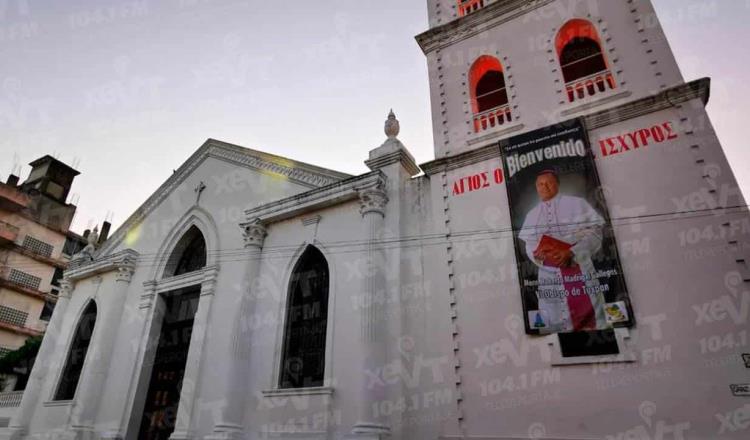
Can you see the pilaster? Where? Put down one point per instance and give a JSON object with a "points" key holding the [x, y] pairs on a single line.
{"points": [[373, 203], [231, 424]]}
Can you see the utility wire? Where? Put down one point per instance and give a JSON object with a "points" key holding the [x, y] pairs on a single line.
{"points": [[428, 240]]}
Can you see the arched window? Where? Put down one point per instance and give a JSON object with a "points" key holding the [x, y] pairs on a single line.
{"points": [[489, 94], [303, 354], [189, 255], [582, 60], [71, 373]]}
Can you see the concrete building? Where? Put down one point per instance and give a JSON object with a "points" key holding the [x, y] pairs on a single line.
{"points": [[34, 226], [254, 296], [35, 247]]}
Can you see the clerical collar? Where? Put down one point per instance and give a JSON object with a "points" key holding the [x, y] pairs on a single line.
{"points": [[552, 200]]}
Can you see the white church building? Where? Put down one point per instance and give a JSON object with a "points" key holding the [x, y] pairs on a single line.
{"points": [[256, 297]]}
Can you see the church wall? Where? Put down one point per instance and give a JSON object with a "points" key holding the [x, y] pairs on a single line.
{"points": [[337, 229], [510, 384], [421, 398], [53, 415], [230, 190]]}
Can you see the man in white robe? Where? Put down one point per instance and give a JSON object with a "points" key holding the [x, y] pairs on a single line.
{"points": [[575, 222]]}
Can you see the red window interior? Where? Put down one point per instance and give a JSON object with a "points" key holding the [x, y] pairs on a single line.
{"points": [[580, 50], [487, 81]]}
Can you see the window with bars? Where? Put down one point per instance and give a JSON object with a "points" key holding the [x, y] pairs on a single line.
{"points": [[24, 279], [12, 316], [38, 246]]}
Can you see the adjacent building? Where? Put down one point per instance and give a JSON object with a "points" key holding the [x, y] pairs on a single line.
{"points": [[36, 245], [571, 265]]}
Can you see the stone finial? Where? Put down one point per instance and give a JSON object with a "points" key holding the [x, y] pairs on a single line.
{"points": [[392, 126]]}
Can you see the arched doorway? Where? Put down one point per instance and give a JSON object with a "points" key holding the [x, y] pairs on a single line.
{"points": [[170, 360]]}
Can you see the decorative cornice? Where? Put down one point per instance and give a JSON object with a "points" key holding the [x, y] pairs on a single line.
{"points": [[462, 159], [317, 199], [465, 27], [125, 260], [399, 156], [299, 172], [668, 98], [699, 89]]}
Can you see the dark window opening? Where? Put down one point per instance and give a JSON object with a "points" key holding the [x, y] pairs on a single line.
{"points": [[189, 255], [490, 91], [303, 354], [580, 58], [77, 354], [168, 368], [57, 277], [47, 310], [73, 245], [595, 343]]}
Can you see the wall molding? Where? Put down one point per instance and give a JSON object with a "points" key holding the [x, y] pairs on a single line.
{"points": [[314, 200], [304, 174], [499, 12], [669, 98]]}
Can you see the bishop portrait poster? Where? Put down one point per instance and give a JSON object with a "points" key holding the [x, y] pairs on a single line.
{"points": [[569, 268]]}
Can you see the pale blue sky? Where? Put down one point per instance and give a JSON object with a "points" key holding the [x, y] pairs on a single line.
{"points": [[127, 92]]}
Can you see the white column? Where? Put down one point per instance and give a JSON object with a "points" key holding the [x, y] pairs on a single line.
{"points": [[373, 325], [92, 383], [191, 380], [231, 424], [20, 422]]}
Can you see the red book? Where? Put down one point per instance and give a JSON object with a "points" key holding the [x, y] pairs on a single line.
{"points": [[548, 243]]}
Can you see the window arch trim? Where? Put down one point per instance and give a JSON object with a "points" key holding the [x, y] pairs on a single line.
{"points": [[594, 82], [576, 28], [275, 375], [188, 255], [493, 115], [72, 339], [201, 219]]}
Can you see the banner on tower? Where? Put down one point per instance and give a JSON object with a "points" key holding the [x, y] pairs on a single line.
{"points": [[569, 268]]}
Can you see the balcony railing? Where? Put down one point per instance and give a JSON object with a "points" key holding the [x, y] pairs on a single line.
{"points": [[492, 118], [466, 7], [596, 84], [8, 233], [11, 399]]}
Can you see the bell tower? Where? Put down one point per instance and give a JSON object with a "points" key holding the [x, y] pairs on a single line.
{"points": [[501, 67]]}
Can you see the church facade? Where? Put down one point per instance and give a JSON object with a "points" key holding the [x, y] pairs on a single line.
{"points": [[571, 265]]}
